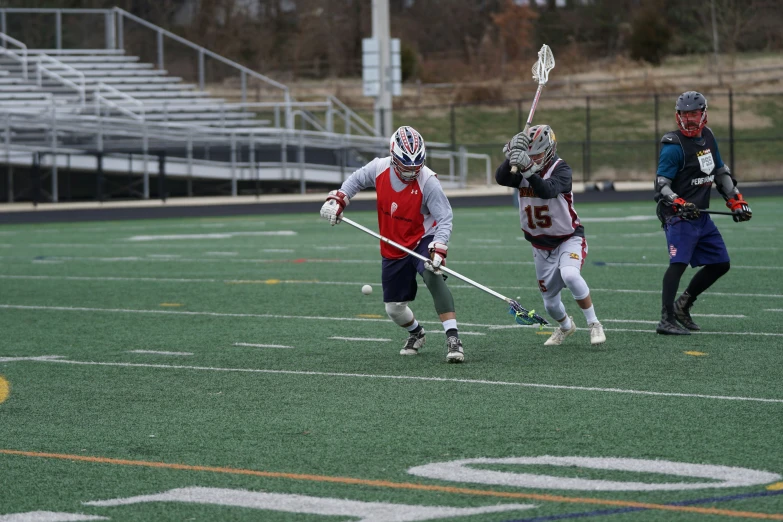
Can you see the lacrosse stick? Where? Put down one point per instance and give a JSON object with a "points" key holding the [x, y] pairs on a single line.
{"points": [[718, 212], [545, 63], [521, 315]]}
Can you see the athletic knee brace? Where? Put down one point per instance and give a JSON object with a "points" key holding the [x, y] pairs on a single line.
{"points": [[554, 307], [441, 295], [574, 281], [399, 313]]}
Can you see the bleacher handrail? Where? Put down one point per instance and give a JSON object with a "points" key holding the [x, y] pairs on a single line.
{"points": [[41, 68], [114, 22], [100, 99], [349, 116], [13, 54], [121, 13]]}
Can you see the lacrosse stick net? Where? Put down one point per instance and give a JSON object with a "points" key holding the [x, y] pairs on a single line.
{"points": [[544, 64]]}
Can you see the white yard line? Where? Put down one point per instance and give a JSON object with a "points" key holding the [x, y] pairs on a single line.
{"points": [[728, 316], [252, 345], [111, 278], [59, 360], [339, 283], [218, 235], [361, 339], [361, 261], [656, 322], [640, 321], [322, 318], [460, 332], [665, 265], [624, 219], [159, 353]]}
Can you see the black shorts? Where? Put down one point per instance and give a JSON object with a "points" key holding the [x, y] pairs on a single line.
{"points": [[398, 276]]}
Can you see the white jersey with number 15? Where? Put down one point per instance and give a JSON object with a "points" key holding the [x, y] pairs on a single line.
{"points": [[554, 217]]}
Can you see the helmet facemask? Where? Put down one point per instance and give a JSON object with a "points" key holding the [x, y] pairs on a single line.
{"points": [[691, 122], [543, 147], [407, 153], [690, 113]]}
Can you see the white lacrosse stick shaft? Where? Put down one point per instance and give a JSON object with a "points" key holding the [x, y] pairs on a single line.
{"points": [[426, 259], [545, 63]]}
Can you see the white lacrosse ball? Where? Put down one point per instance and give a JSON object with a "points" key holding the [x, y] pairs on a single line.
{"points": [[366, 289]]}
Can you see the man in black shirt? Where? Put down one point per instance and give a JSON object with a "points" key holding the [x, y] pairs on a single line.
{"points": [[688, 165]]}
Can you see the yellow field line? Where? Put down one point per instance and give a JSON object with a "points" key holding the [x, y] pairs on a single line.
{"points": [[397, 485]]}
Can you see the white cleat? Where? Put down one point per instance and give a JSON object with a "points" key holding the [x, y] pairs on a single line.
{"points": [[597, 335], [559, 335], [455, 353], [413, 344]]}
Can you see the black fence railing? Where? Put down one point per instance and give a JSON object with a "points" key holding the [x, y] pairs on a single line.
{"points": [[608, 137]]}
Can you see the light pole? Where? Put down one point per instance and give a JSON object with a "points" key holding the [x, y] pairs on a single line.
{"points": [[380, 32]]}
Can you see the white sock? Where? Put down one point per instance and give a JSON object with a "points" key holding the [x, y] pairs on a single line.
{"points": [[413, 326], [565, 324], [449, 324], [590, 315]]}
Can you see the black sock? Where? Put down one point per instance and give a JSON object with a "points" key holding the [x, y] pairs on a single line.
{"points": [[706, 277], [416, 331], [671, 281], [452, 332]]}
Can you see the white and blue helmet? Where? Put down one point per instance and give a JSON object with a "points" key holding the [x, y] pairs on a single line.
{"points": [[407, 153]]}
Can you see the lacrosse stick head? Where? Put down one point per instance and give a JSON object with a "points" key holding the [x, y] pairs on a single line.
{"points": [[524, 316], [545, 63]]}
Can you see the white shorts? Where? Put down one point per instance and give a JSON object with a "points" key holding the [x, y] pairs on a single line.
{"points": [[571, 252]]}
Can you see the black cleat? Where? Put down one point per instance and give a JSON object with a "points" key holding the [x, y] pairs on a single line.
{"points": [[682, 312], [670, 327]]}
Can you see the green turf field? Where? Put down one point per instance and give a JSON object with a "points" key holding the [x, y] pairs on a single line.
{"points": [[190, 369]]}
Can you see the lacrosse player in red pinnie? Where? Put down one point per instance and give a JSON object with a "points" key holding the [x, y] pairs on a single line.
{"points": [[550, 224], [414, 212]]}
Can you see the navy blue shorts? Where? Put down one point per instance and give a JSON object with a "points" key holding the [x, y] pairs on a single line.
{"points": [[398, 276], [695, 241]]}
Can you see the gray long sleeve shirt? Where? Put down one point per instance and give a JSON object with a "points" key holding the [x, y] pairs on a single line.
{"points": [[435, 206]]}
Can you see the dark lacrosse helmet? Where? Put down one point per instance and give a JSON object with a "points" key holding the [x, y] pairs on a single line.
{"points": [[690, 112]]}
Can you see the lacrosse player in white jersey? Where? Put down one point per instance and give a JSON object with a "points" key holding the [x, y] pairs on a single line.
{"points": [[550, 224]]}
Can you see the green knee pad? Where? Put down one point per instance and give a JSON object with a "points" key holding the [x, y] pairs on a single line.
{"points": [[444, 302]]}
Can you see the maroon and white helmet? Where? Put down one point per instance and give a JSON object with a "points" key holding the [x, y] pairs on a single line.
{"points": [[542, 142], [407, 153]]}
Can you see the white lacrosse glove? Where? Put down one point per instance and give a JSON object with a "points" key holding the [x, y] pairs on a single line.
{"points": [[438, 253], [519, 158], [332, 210]]}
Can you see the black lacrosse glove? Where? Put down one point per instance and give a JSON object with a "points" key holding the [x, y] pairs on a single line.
{"points": [[685, 209]]}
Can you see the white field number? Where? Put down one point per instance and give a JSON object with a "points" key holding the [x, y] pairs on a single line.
{"points": [[453, 471], [720, 476]]}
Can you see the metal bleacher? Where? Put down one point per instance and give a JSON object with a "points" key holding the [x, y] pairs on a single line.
{"points": [[106, 112]]}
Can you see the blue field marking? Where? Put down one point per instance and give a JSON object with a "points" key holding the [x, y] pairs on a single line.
{"points": [[618, 511]]}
